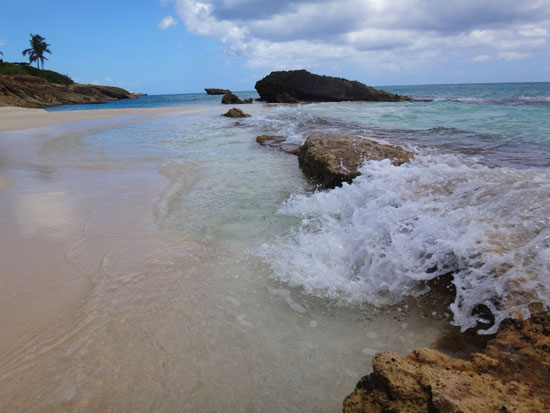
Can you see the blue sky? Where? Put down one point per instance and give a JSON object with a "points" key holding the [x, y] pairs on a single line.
{"points": [[179, 46]]}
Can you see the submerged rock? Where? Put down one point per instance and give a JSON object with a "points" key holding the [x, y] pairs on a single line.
{"points": [[214, 91], [510, 375], [333, 159], [278, 142], [300, 85], [236, 113], [34, 92]]}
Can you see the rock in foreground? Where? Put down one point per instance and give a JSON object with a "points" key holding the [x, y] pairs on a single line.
{"points": [[333, 159], [34, 92], [511, 375], [236, 113], [301, 85], [214, 91]]}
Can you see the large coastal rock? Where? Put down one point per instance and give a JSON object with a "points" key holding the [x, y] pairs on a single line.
{"points": [[332, 159], [34, 92], [512, 374], [301, 85], [214, 91]]}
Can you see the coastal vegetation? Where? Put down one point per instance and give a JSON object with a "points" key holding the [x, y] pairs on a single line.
{"points": [[20, 68], [37, 50]]}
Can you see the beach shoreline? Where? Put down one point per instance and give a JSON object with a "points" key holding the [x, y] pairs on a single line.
{"points": [[14, 118]]}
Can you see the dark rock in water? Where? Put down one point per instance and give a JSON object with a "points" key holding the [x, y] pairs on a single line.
{"points": [[333, 159], [300, 85], [278, 142], [34, 92], [510, 375], [236, 113], [214, 91], [232, 99]]}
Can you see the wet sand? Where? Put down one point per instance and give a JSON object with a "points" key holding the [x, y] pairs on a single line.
{"points": [[13, 118]]}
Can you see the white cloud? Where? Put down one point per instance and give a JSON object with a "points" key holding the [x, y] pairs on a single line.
{"points": [[394, 35], [482, 58], [513, 55], [167, 22]]}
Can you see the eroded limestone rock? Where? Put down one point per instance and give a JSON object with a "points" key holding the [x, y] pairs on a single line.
{"points": [[512, 374], [332, 159]]}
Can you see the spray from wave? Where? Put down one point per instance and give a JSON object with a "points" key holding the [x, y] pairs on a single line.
{"points": [[381, 238]]}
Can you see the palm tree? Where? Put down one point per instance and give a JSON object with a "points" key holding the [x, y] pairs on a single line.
{"points": [[37, 50]]}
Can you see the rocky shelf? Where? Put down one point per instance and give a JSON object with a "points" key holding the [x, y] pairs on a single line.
{"points": [[34, 92], [512, 374], [331, 159]]}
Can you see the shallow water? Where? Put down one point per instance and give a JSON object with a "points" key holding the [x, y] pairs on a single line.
{"points": [[134, 281]]}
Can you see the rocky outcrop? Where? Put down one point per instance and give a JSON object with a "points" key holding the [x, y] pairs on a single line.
{"points": [[232, 99], [301, 85], [333, 159], [278, 142], [214, 91], [34, 92], [512, 374], [286, 98], [236, 113]]}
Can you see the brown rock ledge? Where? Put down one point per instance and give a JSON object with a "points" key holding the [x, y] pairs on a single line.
{"points": [[332, 159], [34, 92], [236, 113], [512, 374]]}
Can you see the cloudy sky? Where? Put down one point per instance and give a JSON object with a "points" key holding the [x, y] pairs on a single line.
{"points": [[171, 46]]}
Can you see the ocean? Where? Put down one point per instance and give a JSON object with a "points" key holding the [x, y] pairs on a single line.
{"points": [[219, 278]]}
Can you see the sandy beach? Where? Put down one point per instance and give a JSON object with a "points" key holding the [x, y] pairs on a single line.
{"points": [[13, 118]]}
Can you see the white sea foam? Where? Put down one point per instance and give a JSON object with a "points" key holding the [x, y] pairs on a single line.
{"points": [[379, 239], [535, 99]]}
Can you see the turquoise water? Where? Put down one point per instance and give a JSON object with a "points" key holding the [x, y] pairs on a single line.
{"points": [[157, 101], [508, 122]]}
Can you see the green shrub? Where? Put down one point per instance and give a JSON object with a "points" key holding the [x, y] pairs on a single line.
{"points": [[24, 69]]}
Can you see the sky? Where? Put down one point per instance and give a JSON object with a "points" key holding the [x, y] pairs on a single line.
{"points": [[183, 46]]}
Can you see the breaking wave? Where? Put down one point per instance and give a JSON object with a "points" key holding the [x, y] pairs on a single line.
{"points": [[380, 239]]}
